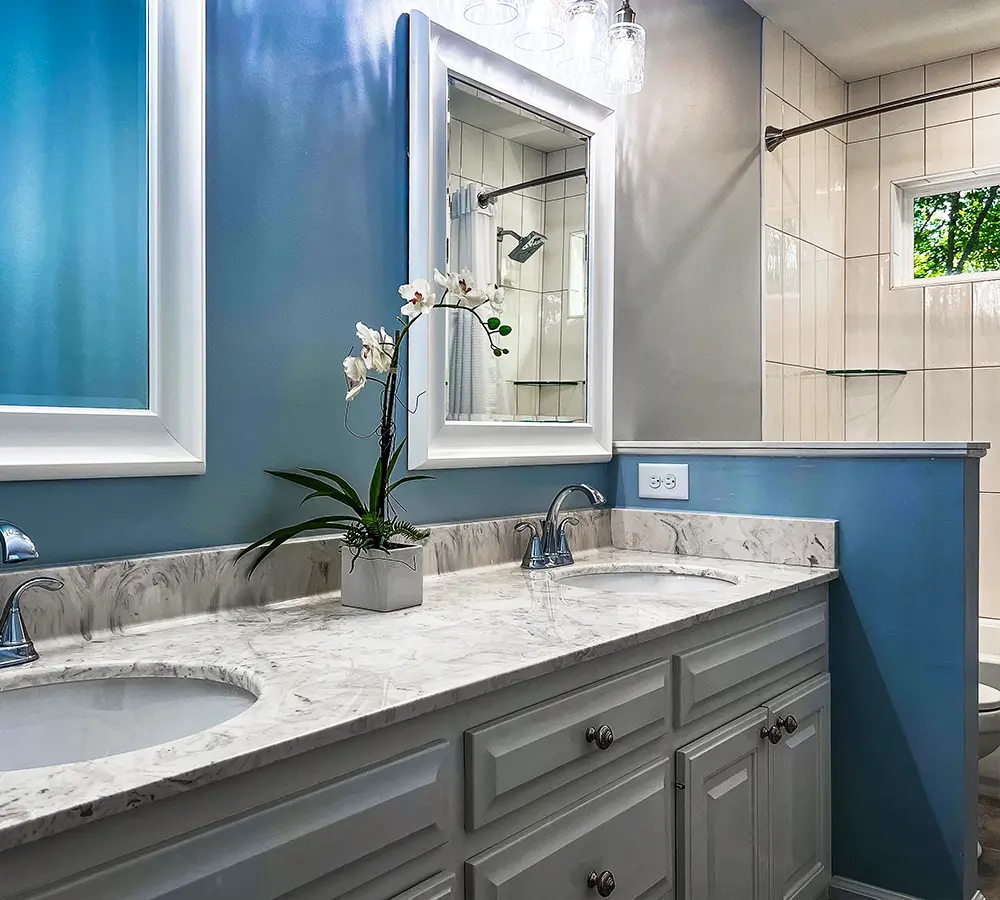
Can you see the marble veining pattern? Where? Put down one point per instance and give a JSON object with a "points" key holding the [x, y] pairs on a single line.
{"points": [[790, 542], [324, 672], [114, 595]]}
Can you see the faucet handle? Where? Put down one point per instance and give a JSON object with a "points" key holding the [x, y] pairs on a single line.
{"points": [[565, 554], [534, 558], [15, 644]]}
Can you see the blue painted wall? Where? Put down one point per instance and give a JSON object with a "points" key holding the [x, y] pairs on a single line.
{"points": [[899, 631], [307, 233]]}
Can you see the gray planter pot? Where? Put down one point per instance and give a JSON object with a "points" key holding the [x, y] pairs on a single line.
{"points": [[383, 580]]}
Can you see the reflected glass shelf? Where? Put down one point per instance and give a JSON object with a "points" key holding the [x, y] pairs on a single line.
{"points": [[856, 373]]}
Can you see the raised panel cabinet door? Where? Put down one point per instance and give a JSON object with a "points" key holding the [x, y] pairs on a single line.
{"points": [[800, 792], [722, 841], [617, 840], [516, 759]]}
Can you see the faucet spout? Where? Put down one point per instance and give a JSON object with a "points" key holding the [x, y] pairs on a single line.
{"points": [[15, 545], [16, 646], [554, 544]]}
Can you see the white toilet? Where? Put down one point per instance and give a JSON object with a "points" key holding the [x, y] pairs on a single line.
{"points": [[989, 719]]}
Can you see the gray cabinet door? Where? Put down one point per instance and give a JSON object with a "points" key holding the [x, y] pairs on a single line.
{"points": [[722, 813], [514, 760], [800, 793], [623, 830]]}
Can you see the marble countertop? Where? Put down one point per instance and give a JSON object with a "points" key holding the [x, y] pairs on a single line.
{"points": [[323, 672]]}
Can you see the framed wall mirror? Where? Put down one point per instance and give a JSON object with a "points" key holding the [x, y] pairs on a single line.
{"points": [[511, 179], [102, 248]]}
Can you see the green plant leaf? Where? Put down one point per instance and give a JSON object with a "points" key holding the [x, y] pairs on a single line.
{"points": [[497, 351], [395, 458], [505, 330], [493, 322], [375, 487], [343, 484], [408, 478], [320, 488], [276, 538]]}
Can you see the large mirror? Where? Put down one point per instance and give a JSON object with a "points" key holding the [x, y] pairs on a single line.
{"points": [[512, 182]]}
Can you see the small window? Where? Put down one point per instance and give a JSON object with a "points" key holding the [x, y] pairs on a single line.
{"points": [[946, 230]]}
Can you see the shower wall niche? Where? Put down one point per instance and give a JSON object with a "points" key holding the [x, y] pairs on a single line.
{"points": [[546, 302]]}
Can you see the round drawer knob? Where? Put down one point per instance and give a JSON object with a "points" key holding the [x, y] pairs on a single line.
{"points": [[773, 734], [605, 882], [788, 723], [603, 737]]}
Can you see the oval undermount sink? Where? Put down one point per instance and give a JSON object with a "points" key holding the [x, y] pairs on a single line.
{"points": [[677, 582], [61, 722]]}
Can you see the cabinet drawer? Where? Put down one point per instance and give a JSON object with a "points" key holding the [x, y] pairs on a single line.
{"points": [[623, 829], [441, 887], [359, 826], [517, 759], [711, 676]]}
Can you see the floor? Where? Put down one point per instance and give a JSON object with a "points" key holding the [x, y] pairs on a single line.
{"points": [[989, 837]]}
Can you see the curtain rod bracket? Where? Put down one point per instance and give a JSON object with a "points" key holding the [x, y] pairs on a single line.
{"points": [[773, 138]]}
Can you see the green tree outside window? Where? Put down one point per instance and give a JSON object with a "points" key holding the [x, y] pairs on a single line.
{"points": [[957, 233]]}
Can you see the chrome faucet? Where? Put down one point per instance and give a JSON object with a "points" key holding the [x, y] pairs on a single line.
{"points": [[549, 547], [16, 647]]}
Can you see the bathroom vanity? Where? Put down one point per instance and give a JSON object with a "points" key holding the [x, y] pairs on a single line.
{"points": [[517, 737]]}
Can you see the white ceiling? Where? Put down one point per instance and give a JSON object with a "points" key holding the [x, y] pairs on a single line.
{"points": [[860, 38]]}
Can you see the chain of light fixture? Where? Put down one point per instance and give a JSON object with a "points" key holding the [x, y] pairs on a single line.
{"points": [[594, 45]]}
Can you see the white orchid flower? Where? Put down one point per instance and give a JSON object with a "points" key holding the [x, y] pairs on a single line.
{"points": [[357, 374], [462, 286], [378, 347], [419, 298], [495, 295]]}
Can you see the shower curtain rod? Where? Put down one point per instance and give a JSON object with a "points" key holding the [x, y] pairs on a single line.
{"points": [[775, 137], [488, 196]]}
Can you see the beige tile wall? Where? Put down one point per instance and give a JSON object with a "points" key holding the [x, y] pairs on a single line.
{"points": [[804, 213], [947, 338]]}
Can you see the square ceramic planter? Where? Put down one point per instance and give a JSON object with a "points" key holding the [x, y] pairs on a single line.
{"points": [[382, 580]]}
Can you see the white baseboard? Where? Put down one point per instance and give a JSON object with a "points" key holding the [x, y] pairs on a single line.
{"points": [[849, 889]]}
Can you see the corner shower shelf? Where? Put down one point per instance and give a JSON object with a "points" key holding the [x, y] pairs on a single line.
{"points": [[550, 383], [855, 373]]}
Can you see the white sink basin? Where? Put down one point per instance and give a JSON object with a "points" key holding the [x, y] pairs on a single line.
{"points": [[62, 722], [675, 582]]}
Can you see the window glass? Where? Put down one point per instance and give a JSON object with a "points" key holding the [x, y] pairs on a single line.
{"points": [[957, 232], [73, 204]]}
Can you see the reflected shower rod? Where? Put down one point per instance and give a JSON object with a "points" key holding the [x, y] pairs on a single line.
{"points": [[775, 137], [487, 197]]}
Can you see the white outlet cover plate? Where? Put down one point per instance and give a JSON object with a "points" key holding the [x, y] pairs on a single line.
{"points": [[663, 482]]}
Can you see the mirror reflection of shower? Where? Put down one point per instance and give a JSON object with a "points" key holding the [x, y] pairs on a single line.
{"points": [[518, 189]]}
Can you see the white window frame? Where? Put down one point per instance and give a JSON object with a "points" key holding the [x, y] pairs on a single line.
{"points": [[433, 442], [902, 195], [168, 438]]}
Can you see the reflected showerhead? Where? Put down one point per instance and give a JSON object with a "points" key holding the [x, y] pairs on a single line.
{"points": [[527, 246]]}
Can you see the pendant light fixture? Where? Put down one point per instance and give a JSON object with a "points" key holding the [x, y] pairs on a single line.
{"points": [[490, 12], [541, 25], [626, 52], [586, 37]]}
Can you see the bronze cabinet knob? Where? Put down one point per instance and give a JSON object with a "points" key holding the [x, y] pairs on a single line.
{"points": [[605, 882], [773, 734], [602, 736], [788, 723]]}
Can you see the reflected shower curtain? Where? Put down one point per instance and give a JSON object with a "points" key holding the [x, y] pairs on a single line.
{"points": [[476, 389]]}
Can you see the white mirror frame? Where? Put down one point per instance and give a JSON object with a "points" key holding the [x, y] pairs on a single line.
{"points": [[169, 437], [434, 442]]}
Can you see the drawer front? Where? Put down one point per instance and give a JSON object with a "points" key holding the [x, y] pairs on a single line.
{"points": [[711, 676], [624, 830], [517, 759], [379, 818], [441, 887]]}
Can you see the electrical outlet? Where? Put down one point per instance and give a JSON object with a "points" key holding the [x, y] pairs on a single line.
{"points": [[663, 482]]}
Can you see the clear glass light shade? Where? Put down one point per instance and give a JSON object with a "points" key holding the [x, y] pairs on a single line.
{"points": [[541, 25], [626, 58], [490, 12], [586, 37]]}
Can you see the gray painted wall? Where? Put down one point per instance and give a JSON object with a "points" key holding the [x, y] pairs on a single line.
{"points": [[687, 285]]}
